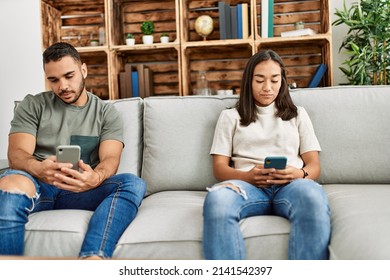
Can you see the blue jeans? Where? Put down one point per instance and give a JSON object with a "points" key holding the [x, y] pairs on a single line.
{"points": [[115, 203], [303, 202]]}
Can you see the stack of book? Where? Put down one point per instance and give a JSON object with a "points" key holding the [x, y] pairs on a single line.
{"points": [[136, 81], [233, 21]]}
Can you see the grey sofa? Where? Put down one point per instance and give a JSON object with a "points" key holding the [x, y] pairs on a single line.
{"points": [[167, 143]]}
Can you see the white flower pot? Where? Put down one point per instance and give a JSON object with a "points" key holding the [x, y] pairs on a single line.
{"points": [[147, 39], [164, 39], [130, 41]]}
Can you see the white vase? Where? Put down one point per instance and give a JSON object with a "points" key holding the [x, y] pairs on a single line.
{"points": [[147, 39], [164, 39], [130, 41]]}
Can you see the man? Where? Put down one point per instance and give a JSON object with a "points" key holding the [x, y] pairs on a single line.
{"points": [[67, 115]]}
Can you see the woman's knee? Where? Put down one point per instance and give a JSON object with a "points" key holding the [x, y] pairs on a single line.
{"points": [[221, 198], [312, 196], [18, 184]]}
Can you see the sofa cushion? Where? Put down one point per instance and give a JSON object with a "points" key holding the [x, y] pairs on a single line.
{"points": [[360, 221], [352, 126], [178, 133], [131, 110], [56, 233], [169, 226]]}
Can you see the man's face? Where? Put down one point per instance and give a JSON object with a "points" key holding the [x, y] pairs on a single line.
{"points": [[67, 80]]}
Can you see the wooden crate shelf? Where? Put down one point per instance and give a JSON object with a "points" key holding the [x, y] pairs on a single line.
{"points": [[163, 63], [128, 16], [75, 22], [176, 65], [191, 10], [223, 68], [313, 13], [97, 81], [302, 57]]}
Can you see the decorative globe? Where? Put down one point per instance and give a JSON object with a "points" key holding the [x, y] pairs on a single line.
{"points": [[204, 25]]}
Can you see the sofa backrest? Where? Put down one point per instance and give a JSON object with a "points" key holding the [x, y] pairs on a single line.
{"points": [[131, 110], [178, 133], [351, 123], [352, 126]]}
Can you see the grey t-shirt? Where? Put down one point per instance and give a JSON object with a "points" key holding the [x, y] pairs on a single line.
{"points": [[54, 123]]}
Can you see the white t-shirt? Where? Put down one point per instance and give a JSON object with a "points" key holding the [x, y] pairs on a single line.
{"points": [[269, 135]]}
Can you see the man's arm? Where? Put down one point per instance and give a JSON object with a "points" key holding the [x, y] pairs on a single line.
{"points": [[109, 155], [21, 147], [20, 151]]}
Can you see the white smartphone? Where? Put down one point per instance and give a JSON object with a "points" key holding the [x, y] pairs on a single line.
{"points": [[69, 154]]}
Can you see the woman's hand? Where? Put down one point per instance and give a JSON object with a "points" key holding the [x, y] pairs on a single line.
{"points": [[280, 176]]}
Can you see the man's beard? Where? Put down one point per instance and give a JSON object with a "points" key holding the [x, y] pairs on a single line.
{"points": [[78, 93]]}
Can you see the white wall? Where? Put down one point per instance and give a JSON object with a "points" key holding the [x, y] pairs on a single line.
{"points": [[21, 70], [338, 33]]}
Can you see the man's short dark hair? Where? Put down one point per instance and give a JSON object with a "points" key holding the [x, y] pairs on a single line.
{"points": [[59, 50]]}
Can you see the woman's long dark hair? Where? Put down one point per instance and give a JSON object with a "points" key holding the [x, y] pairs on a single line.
{"points": [[246, 106]]}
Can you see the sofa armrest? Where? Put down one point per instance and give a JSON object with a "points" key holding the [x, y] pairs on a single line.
{"points": [[3, 165]]}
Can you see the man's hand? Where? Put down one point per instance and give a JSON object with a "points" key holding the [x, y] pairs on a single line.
{"points": [[69, 179], [46, 169]]}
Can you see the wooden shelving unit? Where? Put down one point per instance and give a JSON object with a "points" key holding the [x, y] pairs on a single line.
{"points": [[176, 65]]}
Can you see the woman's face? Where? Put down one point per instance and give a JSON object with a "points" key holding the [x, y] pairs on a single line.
{"points": [[266, 82]]}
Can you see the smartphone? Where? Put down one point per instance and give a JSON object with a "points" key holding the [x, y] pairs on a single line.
{"points": [[277, 162], [69, 154]]}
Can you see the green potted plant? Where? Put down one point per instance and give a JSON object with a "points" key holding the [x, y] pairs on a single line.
{"points": [[367, 41], [130, 40], [147, 28], [164, 38]]}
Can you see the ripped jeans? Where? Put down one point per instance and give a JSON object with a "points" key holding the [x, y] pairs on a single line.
{"points": [[303, 202], [115, 203]]}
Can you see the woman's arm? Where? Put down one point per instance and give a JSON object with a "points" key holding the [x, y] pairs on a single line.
{"points": [[311, 165], [223, 171]]}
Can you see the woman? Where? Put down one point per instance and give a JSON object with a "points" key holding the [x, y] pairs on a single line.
{"points": [[265, 123]]}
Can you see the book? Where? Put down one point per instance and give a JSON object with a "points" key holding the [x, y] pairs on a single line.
{"points": [[298, 32], [141, 80], [134, 84], [317, 77], [224, 20], [122, 85], [239, 21], [129, 92], [245, 21], [228, 22], [264, 18], [270, 18], [148, 82], [233, 21], [125, 82]]}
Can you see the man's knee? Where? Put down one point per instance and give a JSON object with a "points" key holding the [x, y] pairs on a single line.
{"points": [[135, 185], [15, 183]]}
